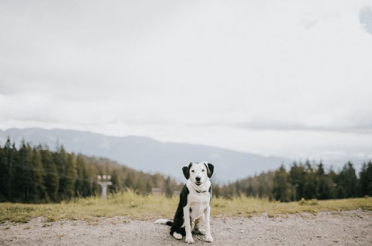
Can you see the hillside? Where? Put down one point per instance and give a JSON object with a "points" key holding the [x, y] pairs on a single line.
{"points": [[147, 154]]}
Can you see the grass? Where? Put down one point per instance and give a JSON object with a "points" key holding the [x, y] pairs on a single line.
{"points": [[247, 207], [151, 207]]}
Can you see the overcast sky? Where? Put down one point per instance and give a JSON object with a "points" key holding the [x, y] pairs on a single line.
{"points": [[288, 78]]}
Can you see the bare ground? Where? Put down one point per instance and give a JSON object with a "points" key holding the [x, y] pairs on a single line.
{"points": [[325, 228]]}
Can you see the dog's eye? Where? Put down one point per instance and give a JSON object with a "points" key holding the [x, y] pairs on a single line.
{"points": [[192, 171], [203, 170]]}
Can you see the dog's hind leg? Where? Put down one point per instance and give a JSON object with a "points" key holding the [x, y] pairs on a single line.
{"points": [[177, 235], [187, 223]]}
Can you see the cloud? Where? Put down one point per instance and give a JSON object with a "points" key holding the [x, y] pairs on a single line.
{"points": [[365, 19], [285, 126], [167, 68]]}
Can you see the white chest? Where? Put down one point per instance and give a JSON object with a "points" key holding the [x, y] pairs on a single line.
{"points": [[198, 204]]}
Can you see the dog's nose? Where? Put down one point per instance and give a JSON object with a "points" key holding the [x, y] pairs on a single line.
{"points": [[197, 179]]}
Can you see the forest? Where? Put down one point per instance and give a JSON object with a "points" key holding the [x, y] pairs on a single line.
{"points": [[303, 180], [39, 175], [35, 174]]}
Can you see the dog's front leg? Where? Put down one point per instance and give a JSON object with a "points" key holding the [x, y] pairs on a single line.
{"points": [[208, 236], [186, 214]]}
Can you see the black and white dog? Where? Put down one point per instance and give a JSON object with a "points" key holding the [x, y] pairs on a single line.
{"points": [[194, 209]]}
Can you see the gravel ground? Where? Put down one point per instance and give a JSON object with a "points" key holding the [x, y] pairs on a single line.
{"points": [[325, 228]]}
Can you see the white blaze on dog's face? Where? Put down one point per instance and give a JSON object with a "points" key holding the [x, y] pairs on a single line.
{"points": [[198, 173]]}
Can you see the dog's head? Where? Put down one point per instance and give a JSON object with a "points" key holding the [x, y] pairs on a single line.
{"points": [[198, 173]]}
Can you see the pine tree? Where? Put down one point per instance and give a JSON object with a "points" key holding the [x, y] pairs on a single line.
{"points": [[216, 190], [310, 182], [139, 184], [51, 178], [333, 176], [157, 180], [128, 181], [116, 182], [82, 186], [297, 177], [324, 189], [348, 181], [282, 186], [38, 189], [10, 160], [168, 188], [149, 185], [24, 173], [366, 179], [60, 160], [70, 176], [4, 172]]}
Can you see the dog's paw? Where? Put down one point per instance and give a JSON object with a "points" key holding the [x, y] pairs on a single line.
{"points": [[189, 239], [177, 235], [209, 238]]}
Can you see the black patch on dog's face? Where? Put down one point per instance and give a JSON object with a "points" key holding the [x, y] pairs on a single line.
{"points": [[210, 169], [186, 170]]}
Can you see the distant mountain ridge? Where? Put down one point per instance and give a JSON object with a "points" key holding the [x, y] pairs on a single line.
{"points": [[146, 154]]}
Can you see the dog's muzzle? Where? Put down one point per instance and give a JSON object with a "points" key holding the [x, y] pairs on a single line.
{"points": [[198, 179]]}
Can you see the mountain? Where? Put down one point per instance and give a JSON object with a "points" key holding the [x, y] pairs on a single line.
{"points": [[147, 154]]}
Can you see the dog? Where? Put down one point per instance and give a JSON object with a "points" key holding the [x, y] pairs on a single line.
{"points": [[194, 210]]}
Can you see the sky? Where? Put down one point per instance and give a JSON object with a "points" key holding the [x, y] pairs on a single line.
{"points": [[287, 78]]}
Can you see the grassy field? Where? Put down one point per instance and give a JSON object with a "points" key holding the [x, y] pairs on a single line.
{"points": [[151, 207]]}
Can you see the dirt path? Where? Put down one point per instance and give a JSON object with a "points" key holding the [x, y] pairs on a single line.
{"points": [[345, 228]]}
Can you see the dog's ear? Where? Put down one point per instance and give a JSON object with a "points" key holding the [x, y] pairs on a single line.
{"points": [[210, 169], [186, 170]]}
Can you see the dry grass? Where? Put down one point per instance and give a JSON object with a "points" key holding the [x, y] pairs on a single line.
{"points": [[247, 207], [150, 207]]}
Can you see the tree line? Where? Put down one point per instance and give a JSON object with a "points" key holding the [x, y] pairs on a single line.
{"points": [[303, 180], [37, 174]]}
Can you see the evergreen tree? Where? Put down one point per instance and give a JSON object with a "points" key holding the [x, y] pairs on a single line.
{"points": [[333, 176], [38, 188], [149, 185], [282, 186], [116, 182], [238, 187], [157, 180], [324, 189], [216, 190], [229, 191], [297, 177], [24, 173], [10, 162], [60, 160], [51, 178], [128, 181], [265, 180], [71, 174], [82, 186], [348, 181], [310, 182], [139, 184], [366, 179], [168, 188], [3, 175]]}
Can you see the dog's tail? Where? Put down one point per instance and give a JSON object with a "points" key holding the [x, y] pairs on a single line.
{"points": [[164, 222]]}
